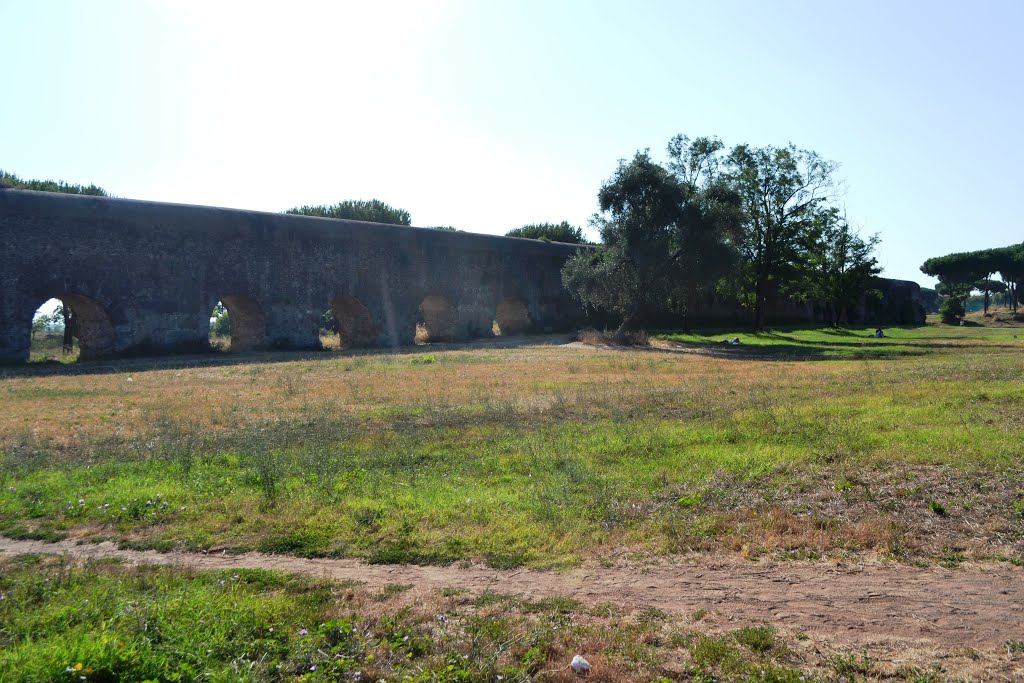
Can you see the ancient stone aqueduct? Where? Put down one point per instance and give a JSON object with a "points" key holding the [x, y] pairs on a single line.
{"points": [[144, 276]]}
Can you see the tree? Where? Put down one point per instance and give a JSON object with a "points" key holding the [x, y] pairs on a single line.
{"points": [[987, 287], [661, 232], [220, 321], [1009, 263], [711, 219], [70, 321], [781, 190], [952, 310], [930, 299], [551, 232], [54, 320], [957, 274], [9, 180], [373, 211], [837, 266]]}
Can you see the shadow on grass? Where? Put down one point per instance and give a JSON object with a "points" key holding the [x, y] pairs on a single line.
{"points": [[214, 358], [838, 344]]}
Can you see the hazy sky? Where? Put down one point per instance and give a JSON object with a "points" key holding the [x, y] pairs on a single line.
{"points": [[489, 114]]}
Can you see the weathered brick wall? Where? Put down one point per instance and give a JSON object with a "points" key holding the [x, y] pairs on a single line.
{"points": [[155, 271]]}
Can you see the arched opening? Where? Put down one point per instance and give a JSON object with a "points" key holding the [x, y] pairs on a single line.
{"points": [[71, 327], [237, 324], [437, 320], [512, 317], [352, 322]]}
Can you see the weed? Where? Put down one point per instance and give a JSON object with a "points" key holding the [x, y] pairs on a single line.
{"points": [[843, 485], [937, 507], [758, 639], [952, 560], [849, 664], [688, 501], [505, 560]]}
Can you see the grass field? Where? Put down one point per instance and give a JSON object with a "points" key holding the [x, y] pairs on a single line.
{"points": [[537, 456], [799, 444]]}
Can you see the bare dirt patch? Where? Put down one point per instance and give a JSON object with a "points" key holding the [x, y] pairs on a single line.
{"points": [[867, 605]]}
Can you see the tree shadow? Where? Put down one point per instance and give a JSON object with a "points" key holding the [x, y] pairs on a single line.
{"points": [[141, 364]]}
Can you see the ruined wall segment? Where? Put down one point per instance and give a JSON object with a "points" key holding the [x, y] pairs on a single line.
{"points": [[155, 271]]}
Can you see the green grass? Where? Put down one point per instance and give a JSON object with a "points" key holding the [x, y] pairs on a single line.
{"points": [[835, 343], [899, 456], [105, 622]]}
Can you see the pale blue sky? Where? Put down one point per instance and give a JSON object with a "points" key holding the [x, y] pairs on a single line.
{"points": [[486, 115]]}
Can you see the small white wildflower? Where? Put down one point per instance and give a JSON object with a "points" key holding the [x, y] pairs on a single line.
{"points": [[81, 501]]}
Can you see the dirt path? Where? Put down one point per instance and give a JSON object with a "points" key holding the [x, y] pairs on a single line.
{"points": [[980, 607]]}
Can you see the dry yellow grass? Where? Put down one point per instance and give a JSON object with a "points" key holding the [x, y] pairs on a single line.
{"points": [[128, 397]]}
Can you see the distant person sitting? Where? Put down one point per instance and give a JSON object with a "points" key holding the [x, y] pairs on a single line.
{"points": [[733, 342], [879, 334]]}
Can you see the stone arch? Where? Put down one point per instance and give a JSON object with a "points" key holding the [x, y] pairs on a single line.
{"points": [[248, 324], [511, 317], [354, 322], [92, 325], [437, 319]]}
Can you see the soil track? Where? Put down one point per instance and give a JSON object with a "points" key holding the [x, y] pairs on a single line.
{"points": [[874, 604]]}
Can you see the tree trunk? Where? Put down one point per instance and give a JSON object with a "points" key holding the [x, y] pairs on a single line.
{"points": [[629, 321], [759, 298], [69, 335]]}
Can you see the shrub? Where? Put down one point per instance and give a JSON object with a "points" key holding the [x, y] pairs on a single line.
{"points": [[952, 310], [592, 337]]}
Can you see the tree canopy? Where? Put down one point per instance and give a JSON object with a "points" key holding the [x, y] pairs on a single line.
{"points": [[782, 189], [552, 232], [373, 211], [744, 225], [836, 266], [663, 232], [12, 181], [960, 273]]}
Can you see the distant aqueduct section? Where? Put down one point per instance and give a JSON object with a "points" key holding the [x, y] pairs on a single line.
{"points": [[143, 277]]}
